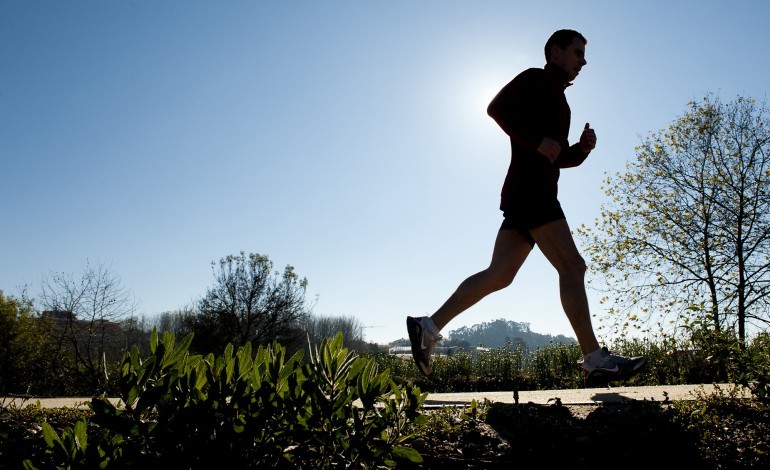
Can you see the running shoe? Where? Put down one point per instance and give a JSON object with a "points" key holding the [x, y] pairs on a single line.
{"points": [[423, 336], [612, 367]]}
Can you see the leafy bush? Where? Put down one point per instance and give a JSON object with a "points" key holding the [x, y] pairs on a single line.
{"points": [[243, 410], [23, 359], [755, 370]]}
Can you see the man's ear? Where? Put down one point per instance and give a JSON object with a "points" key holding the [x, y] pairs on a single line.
{"points": [[556, 52]]}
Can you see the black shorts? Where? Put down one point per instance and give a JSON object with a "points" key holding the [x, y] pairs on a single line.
{"points": [[528, 216]]}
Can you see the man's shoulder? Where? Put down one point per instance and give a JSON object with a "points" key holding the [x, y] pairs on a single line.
{"points": [[527, 83], [532, 75], [533, 72]]}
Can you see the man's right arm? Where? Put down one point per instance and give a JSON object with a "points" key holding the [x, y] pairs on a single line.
{"points": [[516, 110]]}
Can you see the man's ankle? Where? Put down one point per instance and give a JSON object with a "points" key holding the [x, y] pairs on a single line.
{"points": [[590, 359]]}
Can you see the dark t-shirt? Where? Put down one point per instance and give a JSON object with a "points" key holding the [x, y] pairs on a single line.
{"points": [[530, 107]]}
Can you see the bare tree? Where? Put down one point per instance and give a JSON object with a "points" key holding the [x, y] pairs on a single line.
{"points": [[686, 234], [135, 331], [319, 327], [174, 321], [85, 314]]}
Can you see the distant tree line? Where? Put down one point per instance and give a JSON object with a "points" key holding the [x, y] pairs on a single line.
{"points": [[71, 339]]}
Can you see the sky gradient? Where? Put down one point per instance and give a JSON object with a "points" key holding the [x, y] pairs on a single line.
{"points": [[348, 139]]}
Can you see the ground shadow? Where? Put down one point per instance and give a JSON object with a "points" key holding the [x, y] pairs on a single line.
{"points": [[620, 432]]}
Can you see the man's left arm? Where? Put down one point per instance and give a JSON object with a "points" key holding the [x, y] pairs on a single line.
{"points": [[578, 152]]}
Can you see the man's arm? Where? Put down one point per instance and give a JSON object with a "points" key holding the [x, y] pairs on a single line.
{"points": [[578, 152], [516, 110]]}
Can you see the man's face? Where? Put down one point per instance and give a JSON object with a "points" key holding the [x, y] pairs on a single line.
{"points": [[571, 59]]}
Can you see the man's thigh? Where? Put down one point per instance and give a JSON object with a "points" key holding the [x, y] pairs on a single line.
{"points": [[510, 252], [556, 243]]}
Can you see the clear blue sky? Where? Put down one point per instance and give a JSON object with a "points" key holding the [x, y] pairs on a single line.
{"points": [[346, 138]]}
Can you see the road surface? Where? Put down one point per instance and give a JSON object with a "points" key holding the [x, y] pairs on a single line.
{"points": [[581, 396]]}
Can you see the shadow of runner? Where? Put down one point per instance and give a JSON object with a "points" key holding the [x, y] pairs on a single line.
{"points": [[620, 397], [627, 435]]}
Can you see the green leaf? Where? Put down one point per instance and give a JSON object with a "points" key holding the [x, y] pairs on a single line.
{"points": [[28, 465], [238, 426], [290, 367], [178, 352], [229, 368], [201, 379], [245, 362], [407, 453], [168, 340], [132, 393], [50, 435], [356, 364], [147, 371], [81, 437], [133, 356], [153, 340], [67, 444]]}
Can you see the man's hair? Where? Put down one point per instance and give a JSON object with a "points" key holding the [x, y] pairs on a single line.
{"points": [[562, 38]]}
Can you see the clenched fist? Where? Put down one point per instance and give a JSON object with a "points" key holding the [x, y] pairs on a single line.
{"points": [[587, 139]]}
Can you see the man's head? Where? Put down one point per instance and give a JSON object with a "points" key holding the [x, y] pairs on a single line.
{"points": [[566, 49]]}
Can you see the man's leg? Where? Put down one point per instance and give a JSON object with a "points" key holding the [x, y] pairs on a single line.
{"points": [[557, 245], [510, 251], [600, 366]]}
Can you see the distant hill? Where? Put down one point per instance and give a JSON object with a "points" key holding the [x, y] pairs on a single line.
{"points": [[502, 332]]}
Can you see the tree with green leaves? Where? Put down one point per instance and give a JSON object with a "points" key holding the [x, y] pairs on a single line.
{"points": [[23, 347], [685, 236], [249, 303]]}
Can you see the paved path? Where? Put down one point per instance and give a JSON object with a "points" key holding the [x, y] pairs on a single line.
{"points": [[581, 396], [587, 396]]}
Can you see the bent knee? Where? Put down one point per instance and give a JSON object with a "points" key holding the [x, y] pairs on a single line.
{"points": [[500, 279], [501, 283]]}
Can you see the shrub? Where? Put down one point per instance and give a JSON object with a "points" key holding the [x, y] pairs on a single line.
{"points": [[244, 410]]}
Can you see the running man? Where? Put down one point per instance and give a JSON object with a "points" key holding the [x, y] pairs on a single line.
{"points": [[533, 111]]}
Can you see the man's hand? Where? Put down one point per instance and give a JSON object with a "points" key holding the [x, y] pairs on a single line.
{"points": [[549, 148], [587, 139]]}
